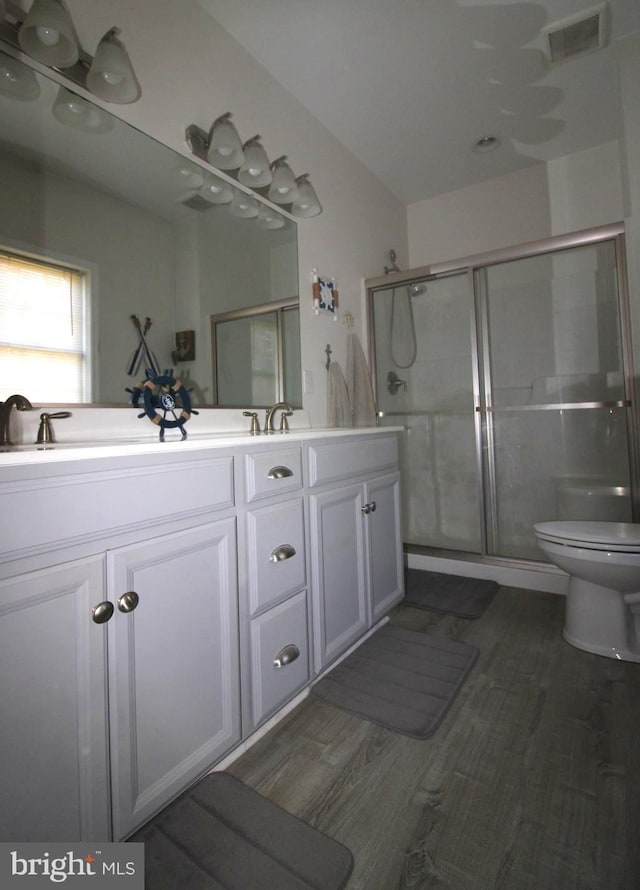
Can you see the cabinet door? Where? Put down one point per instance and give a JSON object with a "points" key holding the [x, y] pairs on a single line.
{"points": [[338, 565], [174, 671], [385, 559], [53, 744]]}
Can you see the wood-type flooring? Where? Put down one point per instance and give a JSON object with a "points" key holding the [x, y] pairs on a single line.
{"points": [[531, 783]]}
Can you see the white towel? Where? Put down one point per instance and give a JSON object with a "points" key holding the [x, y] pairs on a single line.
{"points": [[363, 406], [338, 407]]}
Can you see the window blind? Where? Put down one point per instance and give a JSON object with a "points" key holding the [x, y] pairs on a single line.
{"points": [[42, 329]]}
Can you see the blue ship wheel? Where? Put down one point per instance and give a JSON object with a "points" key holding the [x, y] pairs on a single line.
{"points": [[167, 403]]}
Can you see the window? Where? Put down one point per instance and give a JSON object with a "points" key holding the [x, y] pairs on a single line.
{"points": [[43, 346]]}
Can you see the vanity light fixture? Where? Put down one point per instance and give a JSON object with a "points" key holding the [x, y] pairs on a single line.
{"points": [[255, 171], [76, 112], [243, 205], [216, 191], [47, 34], [307, 203], [284, 189], [111, 76], [17, 81], [224, 149], [269, 219], [188, 176]]}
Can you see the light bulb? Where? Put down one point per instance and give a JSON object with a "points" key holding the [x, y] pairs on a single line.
{"points": [[48, 36]]}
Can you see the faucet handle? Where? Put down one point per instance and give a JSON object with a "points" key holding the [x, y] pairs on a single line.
{"points": [[45, 430], [255, 426], [284, 423]]}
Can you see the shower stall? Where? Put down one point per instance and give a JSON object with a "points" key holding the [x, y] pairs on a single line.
{"points": [[512, 376]]}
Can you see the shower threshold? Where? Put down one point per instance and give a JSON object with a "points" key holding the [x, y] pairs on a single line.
{"points": [[526, 574]]}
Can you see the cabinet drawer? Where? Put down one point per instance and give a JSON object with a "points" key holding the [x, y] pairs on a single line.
{"points": [[333, 461], [281, 633], [273, 471], [275, 553]]}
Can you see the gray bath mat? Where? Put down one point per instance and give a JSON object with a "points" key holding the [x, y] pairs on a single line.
{"points": [[400, 679], [453, 594], [222, 834]]}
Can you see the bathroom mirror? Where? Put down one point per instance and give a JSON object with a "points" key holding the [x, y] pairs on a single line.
{"points": [[83, 190], [254, 352]]}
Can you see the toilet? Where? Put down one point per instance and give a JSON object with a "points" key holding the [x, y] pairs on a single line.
{"points": [[603, 597]]}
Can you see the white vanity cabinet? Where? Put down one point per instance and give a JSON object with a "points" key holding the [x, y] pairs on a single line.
{"points": [[174, 706], [356, 538], [159, 606], [274, 610], [54, 775], [120, 670]]}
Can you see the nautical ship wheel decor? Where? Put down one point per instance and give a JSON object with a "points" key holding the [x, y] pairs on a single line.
{"points": [[166, 402]]}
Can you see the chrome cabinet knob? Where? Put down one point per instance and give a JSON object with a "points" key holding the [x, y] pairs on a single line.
{"points": [[102, 612], [128, 601], [366, 509], [286, 655], [284, 551], [373, 506]]}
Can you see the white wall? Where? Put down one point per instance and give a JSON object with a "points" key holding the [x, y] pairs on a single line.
{"points": [[191, 71], [501, 212]]}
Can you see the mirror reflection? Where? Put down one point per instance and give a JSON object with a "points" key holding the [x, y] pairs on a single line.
{"points": [[102, 226]]}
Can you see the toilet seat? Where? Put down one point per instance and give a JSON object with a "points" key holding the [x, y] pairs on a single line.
{"points": [[619, 537]]}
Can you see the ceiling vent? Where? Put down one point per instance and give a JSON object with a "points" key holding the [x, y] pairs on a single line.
{"points": [[197, 202], [576, 35]]}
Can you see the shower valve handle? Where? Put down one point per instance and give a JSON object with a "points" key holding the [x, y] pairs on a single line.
{"points": [[394, 383]]}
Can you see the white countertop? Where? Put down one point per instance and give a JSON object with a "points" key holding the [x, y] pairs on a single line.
{"points": [[19, 455]]}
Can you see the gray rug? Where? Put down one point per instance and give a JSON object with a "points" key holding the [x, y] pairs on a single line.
{"points": [[222, 834], [453, 594], [400, 679]]}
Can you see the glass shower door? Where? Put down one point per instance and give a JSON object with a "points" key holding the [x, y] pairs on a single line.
{"points": [[426, 380], [554, 399]]}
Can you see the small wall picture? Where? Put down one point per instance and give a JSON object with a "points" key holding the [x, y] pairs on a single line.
{"points": [[325, 294], [185, 350]]}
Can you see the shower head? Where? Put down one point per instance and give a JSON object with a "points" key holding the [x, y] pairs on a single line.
{"points": [[416, 289]]}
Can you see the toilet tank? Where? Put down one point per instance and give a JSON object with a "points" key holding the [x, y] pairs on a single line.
{"points": [[595, 499]]}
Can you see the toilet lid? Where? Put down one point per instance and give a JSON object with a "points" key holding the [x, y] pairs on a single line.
{"points": [[619, 536]]}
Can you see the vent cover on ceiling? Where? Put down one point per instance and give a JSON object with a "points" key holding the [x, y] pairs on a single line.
{"points": [[197, 202], [578, 34]]}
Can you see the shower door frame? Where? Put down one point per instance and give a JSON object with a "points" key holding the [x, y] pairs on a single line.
{"points": [[481, 378]]}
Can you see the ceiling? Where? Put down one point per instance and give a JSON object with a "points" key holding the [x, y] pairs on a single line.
{"points": [[408, 86]]}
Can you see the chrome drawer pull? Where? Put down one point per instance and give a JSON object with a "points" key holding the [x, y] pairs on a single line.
{"points": [[279, 473], [286, 656], [284, 551], [102, 612]]}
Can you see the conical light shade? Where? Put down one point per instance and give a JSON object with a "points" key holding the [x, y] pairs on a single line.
{"points": [[284, 189], [74, 111], [307, 203], [244, 206], [47, 35], [187, 176], [225, 148], [255, 171], [269, 218], [111, 76], [17, 81], [216, 191]]}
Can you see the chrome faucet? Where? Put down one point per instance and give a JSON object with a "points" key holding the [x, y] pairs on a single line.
{"points": [[22, 404], [268, 421]]}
